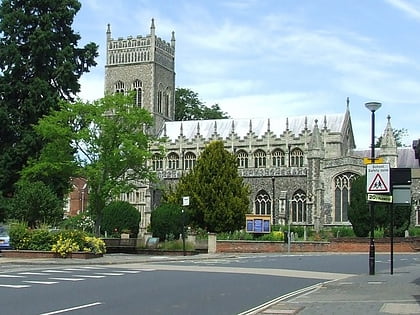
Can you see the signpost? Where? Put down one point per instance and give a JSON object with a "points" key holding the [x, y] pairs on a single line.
{"points": [[377, 176], [378, 160]]}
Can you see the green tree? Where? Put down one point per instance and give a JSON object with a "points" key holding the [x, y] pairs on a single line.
{"points": [[399, 135], [166, 221], [40, 63], [110, 142], [218, 195], [120, 216], [36, 204], [359, 213], [189, 107]]}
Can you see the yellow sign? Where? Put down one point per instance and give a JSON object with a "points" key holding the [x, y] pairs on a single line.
{"points": [[379, 198], [378, 160]]}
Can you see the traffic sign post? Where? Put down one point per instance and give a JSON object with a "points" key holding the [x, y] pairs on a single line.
{"points": [[377, 176]]}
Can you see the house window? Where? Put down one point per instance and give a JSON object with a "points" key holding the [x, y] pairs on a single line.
{"points": [[189, 160], [173, 161], [260, 159], [342, 196], [137, 87], [296, 158], [242, 158], [262, 203], [278, 158], [298, 207]]}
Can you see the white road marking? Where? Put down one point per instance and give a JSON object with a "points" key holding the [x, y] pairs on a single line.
{"points": [[11, 276], [67, 279], [41, 282], [55, 271], [109, 273], [72, 308], [14, 286], [33, 273], [89, 276]]}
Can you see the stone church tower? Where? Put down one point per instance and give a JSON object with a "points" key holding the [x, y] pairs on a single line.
{"points": [[146, 65]]}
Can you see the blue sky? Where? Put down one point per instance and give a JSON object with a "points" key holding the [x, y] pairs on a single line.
{"points": [[279, 58]]}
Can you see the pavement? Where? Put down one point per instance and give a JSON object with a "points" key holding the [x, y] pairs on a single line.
{"points": [[382, 293]]}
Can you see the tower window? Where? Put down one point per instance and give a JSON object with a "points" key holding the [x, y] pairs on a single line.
{"points": [[137, 87], [119, 87]]}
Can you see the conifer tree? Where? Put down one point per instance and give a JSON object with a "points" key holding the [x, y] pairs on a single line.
{"points": [[39, 65], [219, 199]]}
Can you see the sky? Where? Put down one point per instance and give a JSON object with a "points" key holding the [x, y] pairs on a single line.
{"points": [[279, 58]]}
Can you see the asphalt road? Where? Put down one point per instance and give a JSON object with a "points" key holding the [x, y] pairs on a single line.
{"points": [[221, 286]]}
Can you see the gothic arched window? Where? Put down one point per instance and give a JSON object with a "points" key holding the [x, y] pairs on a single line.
{"points": [[298, 207], [119, 87], [173, 161], [262, 203], [260, 159], [137, 88], [278, 158], [296, 158], [189, 160], [342, 190], [242, 158], [166, 102], [157, 162]]}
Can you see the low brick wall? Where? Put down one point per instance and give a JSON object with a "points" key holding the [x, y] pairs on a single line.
{"points": [[335, 245], [33, 254]]}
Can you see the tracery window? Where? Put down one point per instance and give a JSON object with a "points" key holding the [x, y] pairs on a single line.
{"points": [[137, 87], [173, 161], [119, 87], [298, 207], [260, 159], [242, 158], [157, 162], [262, 203], [342, 190], [159, 102], [296, 158], [167, 98], [279, 158], [189, 160]]}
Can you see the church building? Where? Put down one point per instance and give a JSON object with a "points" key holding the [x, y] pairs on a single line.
{"points": [[299, 168]]}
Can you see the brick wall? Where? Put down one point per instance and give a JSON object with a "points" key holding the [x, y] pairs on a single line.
{"points": [[336, 245]]}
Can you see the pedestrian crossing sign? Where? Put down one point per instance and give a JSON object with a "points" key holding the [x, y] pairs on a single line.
{"points": [[377, 178]]}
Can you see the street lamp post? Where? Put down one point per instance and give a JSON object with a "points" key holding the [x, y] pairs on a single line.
{"points": [[373, 107], [273, 179]]}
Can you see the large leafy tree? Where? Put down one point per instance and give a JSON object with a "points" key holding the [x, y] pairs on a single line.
{"points": [[110, 142], [219, 199], [40, 63], [189, 107]]}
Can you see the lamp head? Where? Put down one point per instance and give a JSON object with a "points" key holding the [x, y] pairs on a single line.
{"points": [[373, 106]]}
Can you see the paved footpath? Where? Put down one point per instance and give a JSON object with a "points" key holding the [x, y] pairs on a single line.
{"points": [[382, 293]]}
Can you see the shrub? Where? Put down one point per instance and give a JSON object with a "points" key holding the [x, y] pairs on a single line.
{"points": [[19, 235], [120, 216], [65, 246], [94, 245], [236, 235], [166, 222], [41, 239]]}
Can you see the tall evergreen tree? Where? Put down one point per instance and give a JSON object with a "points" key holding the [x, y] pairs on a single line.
{"points": [[39, 64], [219, 199]]}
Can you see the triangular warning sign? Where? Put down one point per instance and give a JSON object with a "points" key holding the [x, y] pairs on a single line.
{"points": [[378, 184]]}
